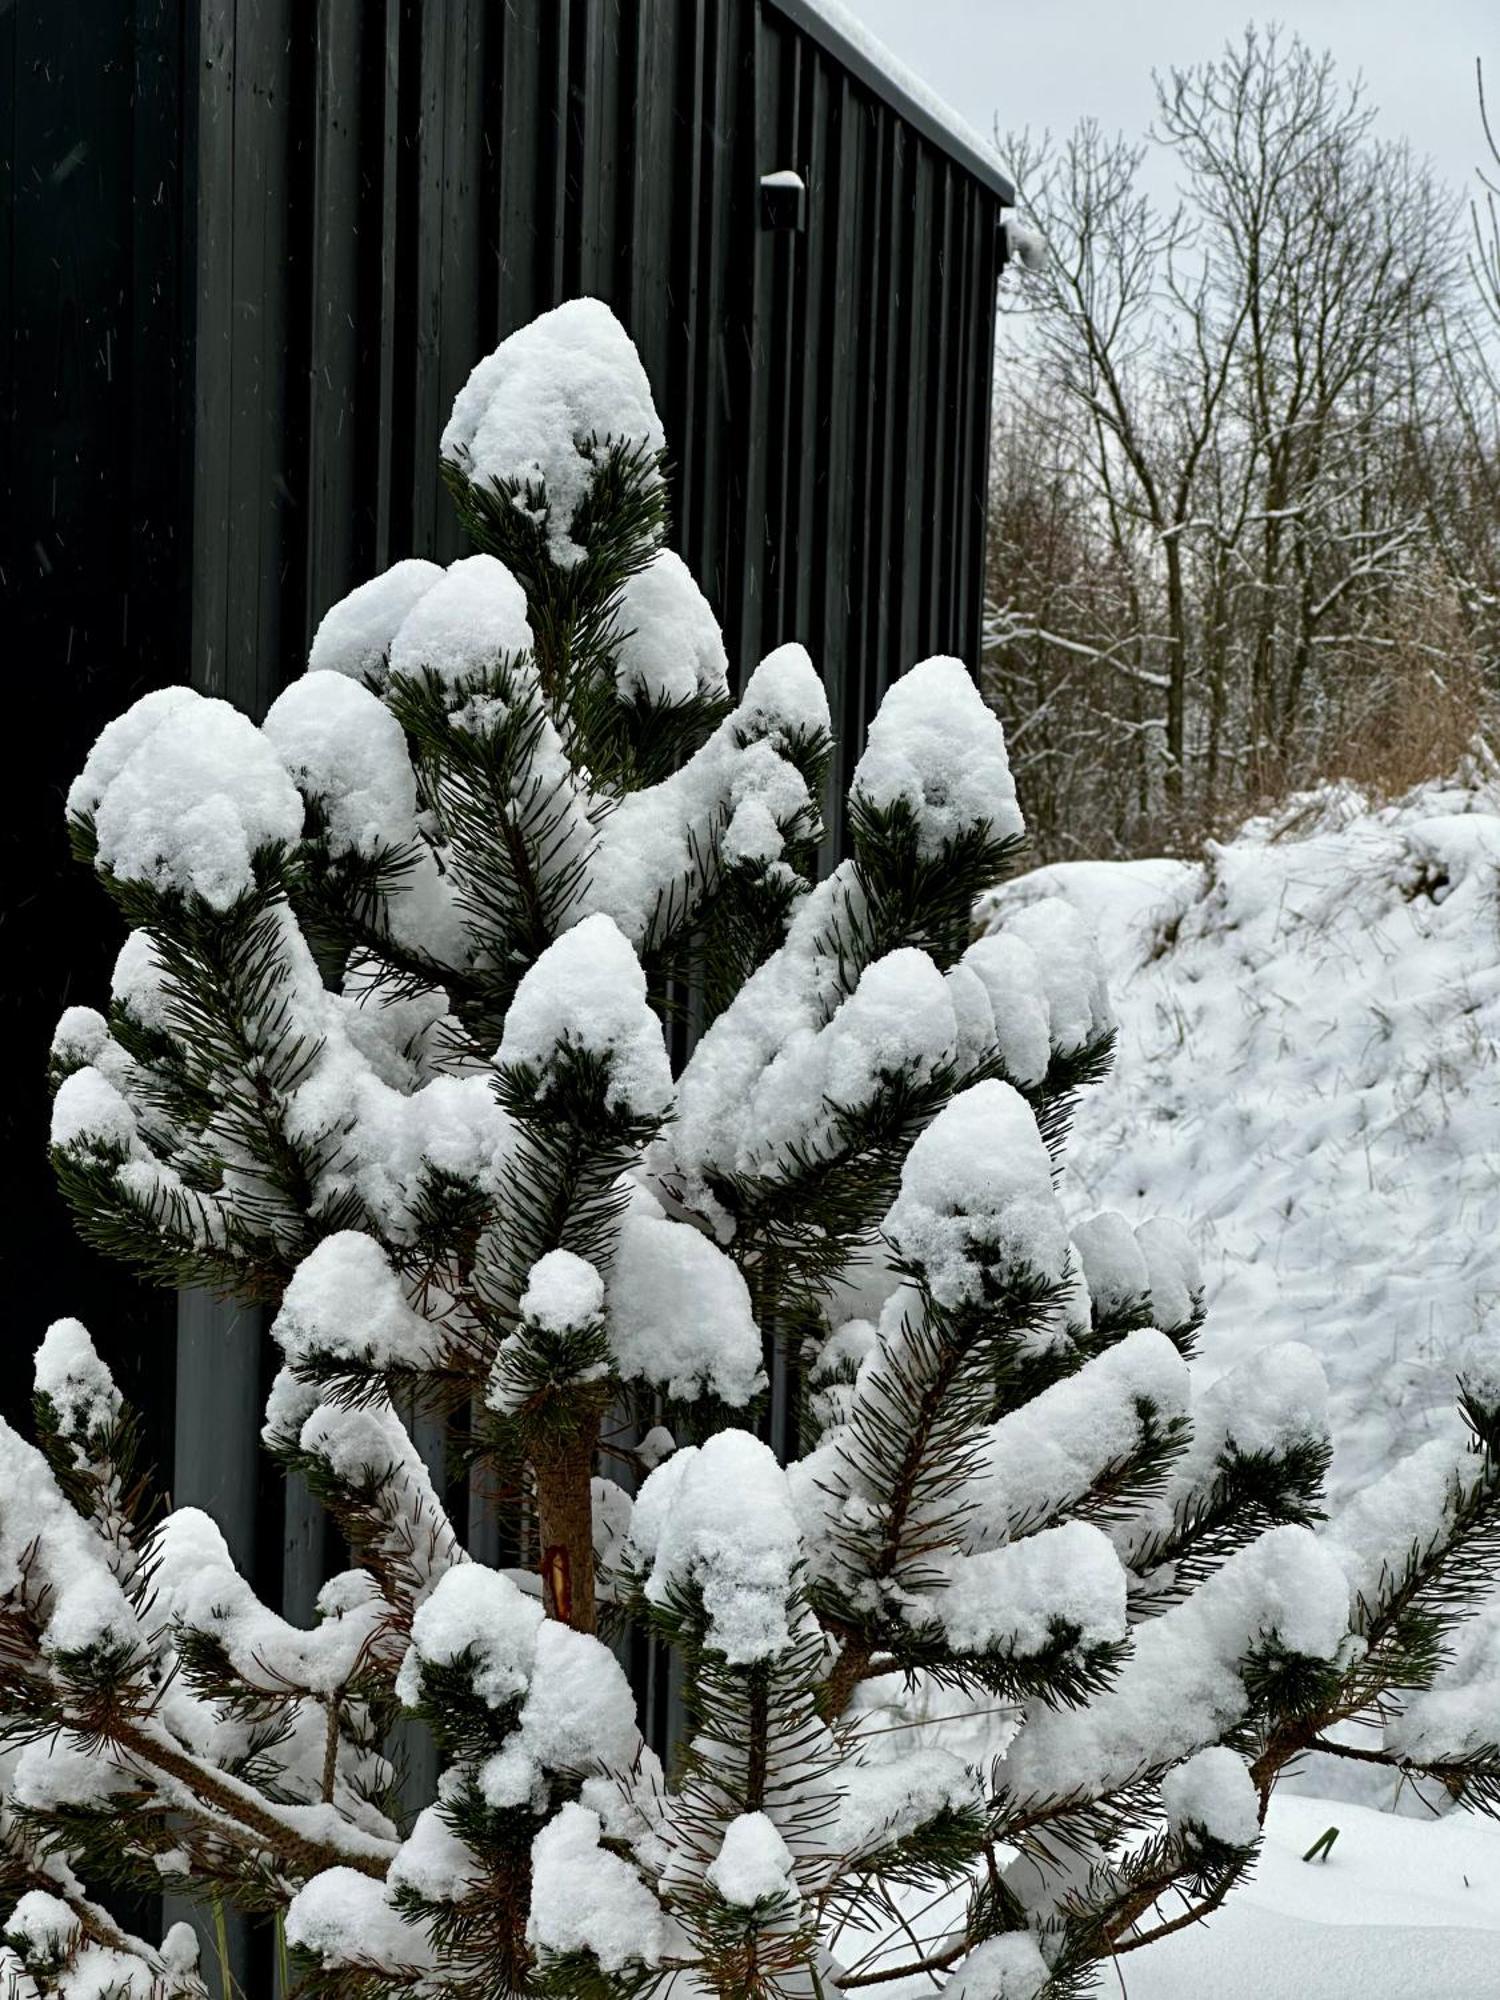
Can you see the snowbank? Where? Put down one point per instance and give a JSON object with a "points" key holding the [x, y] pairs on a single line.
{"points": [[1307, 1077]]}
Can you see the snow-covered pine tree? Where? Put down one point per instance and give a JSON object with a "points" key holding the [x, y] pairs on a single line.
{"points": [[387, 1051]]}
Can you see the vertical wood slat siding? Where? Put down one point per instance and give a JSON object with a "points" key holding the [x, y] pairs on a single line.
{"points": [[333, 380], [761, 346], [92, 567], [806, 448], [429, 522], [834, 443]]}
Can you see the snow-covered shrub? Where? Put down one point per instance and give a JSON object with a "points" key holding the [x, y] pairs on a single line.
{"points": [[387, 1050]]}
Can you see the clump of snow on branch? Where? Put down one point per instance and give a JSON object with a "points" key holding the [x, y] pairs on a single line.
{"points": [[355, 634], [585, 1898], [976, 1198], [671, 648], [753, 1862], [1072, 974], [679, 1312], [344, 1918], [1041, 1458], [1014, 1598], [717, 1518], [1213, 1793], [473, 616], [563, 1292], [345, 1303], [184, 791], [587, 993], [536, 413], [1002, 983], [739, 786], [69, 1373], [52, 1562], [1114, 1264], [1008, 1967], [475, 1613], [1181, 1689], [937, 748], [342, 746]]}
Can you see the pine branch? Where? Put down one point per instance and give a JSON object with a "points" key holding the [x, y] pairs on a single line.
{"points": [[1249, 1492], [513, 816]]}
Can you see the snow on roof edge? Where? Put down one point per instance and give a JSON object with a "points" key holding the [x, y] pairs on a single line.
{"points": [[845, 37]]}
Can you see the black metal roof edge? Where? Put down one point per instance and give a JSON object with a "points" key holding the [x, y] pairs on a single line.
{"points": [[807, 16]]}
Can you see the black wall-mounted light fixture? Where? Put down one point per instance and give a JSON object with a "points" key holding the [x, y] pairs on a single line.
{"points": [[783, 200]]}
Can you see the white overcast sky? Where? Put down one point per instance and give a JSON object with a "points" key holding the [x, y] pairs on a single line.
{"points": [[1051, 62]]}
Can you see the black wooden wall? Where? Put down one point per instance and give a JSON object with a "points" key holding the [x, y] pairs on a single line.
{"points": [[249, 252], [95, 395], [386, 190], [249, 249]]}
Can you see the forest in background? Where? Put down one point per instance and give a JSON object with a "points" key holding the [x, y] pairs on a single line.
{"points": [[1245, 497]]}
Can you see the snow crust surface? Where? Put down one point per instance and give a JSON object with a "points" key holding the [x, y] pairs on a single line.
{"points": [[1400, 1908]]}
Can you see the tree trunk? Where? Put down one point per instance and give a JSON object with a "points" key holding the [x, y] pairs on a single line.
{"points": [[1177, 671], [565, 1532]]}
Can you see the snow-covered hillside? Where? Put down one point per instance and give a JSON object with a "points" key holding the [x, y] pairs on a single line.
{"points": [[1307, 1078]]}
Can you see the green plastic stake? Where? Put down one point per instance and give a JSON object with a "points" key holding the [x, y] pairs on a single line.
{"points": [[1322, 1846]]}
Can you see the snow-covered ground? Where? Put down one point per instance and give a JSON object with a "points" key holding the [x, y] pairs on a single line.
{"points": [[1308, 1079], [1401, 1909], [1396, 1909]]}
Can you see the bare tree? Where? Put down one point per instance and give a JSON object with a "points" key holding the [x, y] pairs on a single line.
{"points": [[1237, 393]]}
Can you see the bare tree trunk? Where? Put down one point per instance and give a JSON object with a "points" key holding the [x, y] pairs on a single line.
{"points": [[565, 1533], [1177, 675]]}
